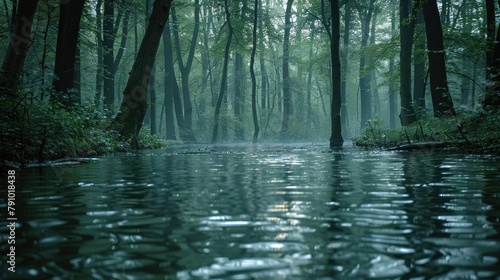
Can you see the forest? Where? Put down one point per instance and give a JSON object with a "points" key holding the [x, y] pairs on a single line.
{"points": [[92, 77]]}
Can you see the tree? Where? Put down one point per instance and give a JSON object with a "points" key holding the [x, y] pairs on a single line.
{"points": [[110, 62], [215, 130], [392, 87], [128, 120], [343, 83], [336, 136], [440, 93], [99, 71], [407, 30], [287, 95], [185, 68], [252, 73], [18, 46], [364, 75], [492, 96], [419, 66], [67, 38], [169, 84]]}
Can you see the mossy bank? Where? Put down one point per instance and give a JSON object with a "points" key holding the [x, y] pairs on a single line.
{"points": [[469, 132]]}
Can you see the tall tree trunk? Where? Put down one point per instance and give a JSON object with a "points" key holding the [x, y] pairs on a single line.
{"points": [[128, 121], [287, 95], [67, 38], [17, 48], [152, 100], [440, 93], [43, 65], [343, 82], [218, 106], [239, 98], [147, 117], [492, 95], [108, 55], [169, 83], [264, 82], [364, 76], [392, 87], [466, 62], [309, 79], [185, 69], [252, 73], [373, 73], [336, 136], [407, 30], [419, 67], [100, 71], [77, 79]]}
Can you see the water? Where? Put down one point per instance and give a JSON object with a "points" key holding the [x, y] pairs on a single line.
{"points": [[260, 212]]}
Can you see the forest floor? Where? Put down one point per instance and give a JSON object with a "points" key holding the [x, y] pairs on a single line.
{"points": [[35, 133], [467, 132]]}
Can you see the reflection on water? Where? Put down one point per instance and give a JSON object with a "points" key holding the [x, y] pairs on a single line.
{"points": [[260, 212]]}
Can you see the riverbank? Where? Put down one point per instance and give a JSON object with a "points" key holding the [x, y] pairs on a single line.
{"points": [[35, 132], [475, 133]]}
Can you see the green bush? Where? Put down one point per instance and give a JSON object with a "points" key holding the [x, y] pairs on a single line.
{"points": [[472, 131], [37, 131]]}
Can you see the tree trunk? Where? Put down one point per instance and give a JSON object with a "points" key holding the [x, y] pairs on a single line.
{"points": [[108, 55], [185, 70], [392, 87], [169, 83], [343, 82], [419, 67], [152, 101], [77, 79], [239, 98], [407, 30], [441, 98], [128, 121], [67, 38], [336, 139], [17, 50], [218, 106], [492, 95], [252, 73], [309, 80], [264, 82], [373, 74], [364, 76], [287, 95], [99, 71]]}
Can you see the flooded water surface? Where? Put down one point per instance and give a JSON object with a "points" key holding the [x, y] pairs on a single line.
{"points": [[260, 212]]}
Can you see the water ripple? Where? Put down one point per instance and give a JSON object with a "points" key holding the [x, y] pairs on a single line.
{"points": [[262, 212]]}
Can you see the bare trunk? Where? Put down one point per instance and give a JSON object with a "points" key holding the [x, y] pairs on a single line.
{"points": [[287, 95], [215, 130], [336, 139], [441, 98], [252, 74], [128, 121], [18, 47], [67, 38], [407, 29]]}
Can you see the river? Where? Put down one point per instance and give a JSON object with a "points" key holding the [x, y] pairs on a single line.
{"points": [[267, 211]]}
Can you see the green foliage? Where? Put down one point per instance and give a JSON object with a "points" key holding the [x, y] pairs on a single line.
{"points": [[471, 131], [34, 130]]}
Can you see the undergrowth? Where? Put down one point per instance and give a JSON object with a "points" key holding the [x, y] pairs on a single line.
{"points": [[37, 131], [470, 131]]}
